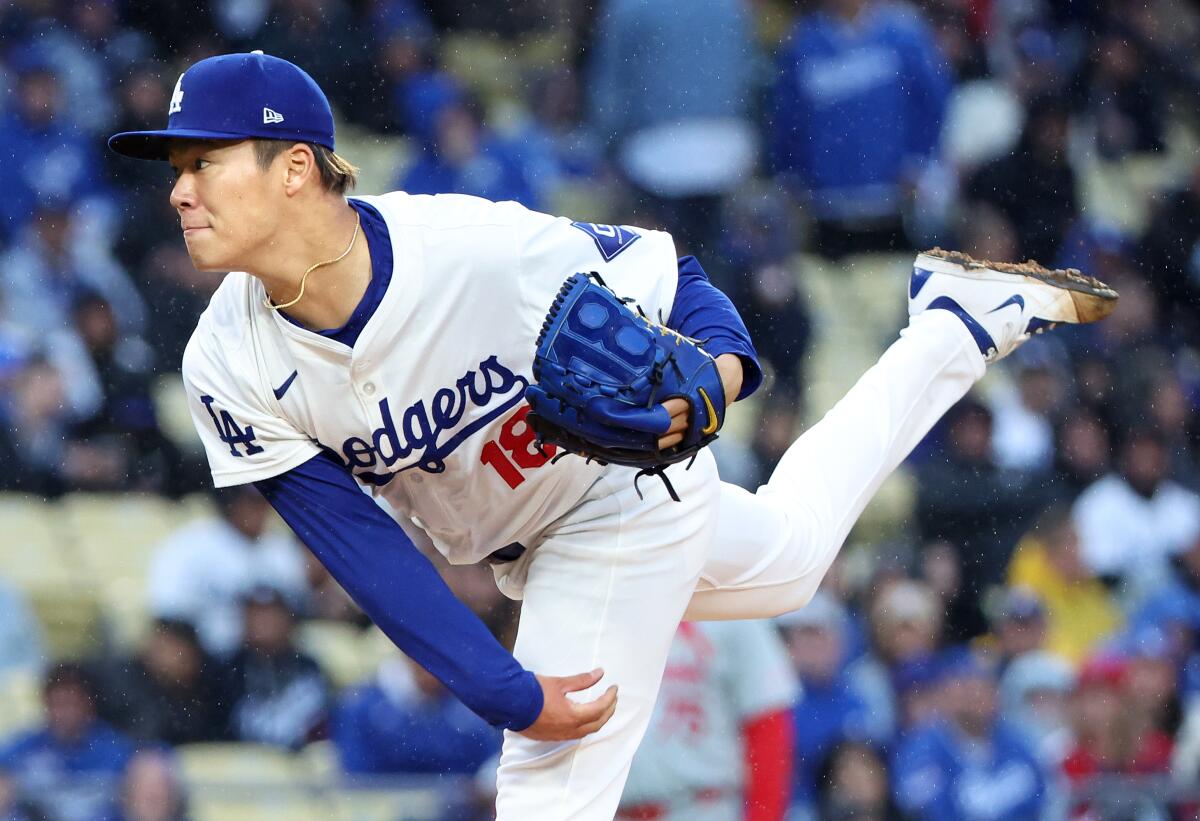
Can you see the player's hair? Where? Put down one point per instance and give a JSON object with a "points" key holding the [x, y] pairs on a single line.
{"points": [[338, 175]]}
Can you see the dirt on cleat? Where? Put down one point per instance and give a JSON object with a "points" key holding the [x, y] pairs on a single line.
{"points": [[1093, 299]]}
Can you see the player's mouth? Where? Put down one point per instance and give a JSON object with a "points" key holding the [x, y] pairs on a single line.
{"points": [[192, 229]]}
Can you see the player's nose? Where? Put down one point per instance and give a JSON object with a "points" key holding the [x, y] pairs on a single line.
{"points": [[183, 193]]}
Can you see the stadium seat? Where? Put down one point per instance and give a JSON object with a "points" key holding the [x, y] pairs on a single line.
{"points": [[218, 803], [72, 621], [382, 804], [379, 158], [20, 701], [116, 534], [858, 304], [171, 409], [483, 64], [235, 763], [113, 539], [34, 556], [248, 782], [343, 650]]}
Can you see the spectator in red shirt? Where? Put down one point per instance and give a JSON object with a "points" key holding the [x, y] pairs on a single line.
{"points": [[1112, 739]]}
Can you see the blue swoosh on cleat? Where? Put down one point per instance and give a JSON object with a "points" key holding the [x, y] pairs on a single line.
{"points": [[1015, 299], [919, 277], [282, 389]]}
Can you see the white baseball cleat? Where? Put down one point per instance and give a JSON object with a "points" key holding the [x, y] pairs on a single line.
{"points": [[1004, 303]]}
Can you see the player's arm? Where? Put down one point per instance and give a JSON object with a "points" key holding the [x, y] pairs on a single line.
{"points": [[701, 311], [400, 590]]}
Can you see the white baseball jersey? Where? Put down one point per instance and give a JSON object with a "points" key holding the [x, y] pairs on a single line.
{"points": [[718, 676], [427, 408]]}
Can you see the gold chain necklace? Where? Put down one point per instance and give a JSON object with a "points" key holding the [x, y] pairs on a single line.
{"points": [[303, 279]]}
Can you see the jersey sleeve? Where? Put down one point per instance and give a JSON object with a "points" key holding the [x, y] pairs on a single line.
{"points": [[633, 262], [704, 312], [245, 440], [400, 590]]}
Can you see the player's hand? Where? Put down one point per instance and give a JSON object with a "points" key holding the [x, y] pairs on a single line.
{"points": [[729, 366], [561, 718]]}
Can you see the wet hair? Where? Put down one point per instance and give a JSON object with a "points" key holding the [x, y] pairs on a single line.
{"points": [[338, 175]]}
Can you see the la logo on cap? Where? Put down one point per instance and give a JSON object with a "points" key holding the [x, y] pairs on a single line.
{"points": [[176, 98], [270, 116]]}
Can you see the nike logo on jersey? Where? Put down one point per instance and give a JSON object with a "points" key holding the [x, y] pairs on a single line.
{"points": [[282, 389], [421, 426]]}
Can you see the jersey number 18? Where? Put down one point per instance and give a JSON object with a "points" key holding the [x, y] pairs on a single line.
{"points": [[514, 450]]}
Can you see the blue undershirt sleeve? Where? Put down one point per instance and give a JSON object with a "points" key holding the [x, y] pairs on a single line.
{"points": [[702, 312], [401, 591]]}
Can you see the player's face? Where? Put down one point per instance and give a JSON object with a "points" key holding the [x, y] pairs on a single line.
{"points": [[225, 203]]}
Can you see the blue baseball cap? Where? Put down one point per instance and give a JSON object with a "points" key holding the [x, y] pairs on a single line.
{"points": [[234, 97]]}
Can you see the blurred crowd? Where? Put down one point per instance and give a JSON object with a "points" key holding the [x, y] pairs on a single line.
{"points": [[1026, 635]]}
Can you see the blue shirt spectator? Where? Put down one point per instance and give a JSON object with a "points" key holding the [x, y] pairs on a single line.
{"points": [[969, 765], [467, 158], [41, 151], [51, 763], [831, 708], [57, 261], [828, 712], [671, 88], [661, 62], [88, 48], [406, 722], [942, 774], [858, 107]]}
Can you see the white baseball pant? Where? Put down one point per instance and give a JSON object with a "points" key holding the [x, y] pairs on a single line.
{"points": [[610, 582]]}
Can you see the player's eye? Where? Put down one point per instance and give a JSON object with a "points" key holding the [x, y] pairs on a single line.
{"points": [[200, 163]]}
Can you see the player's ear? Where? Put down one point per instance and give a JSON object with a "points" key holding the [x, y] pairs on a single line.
{"points": [[299, 166]]}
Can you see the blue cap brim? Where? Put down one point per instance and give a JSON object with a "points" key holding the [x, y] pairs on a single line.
{"points": [[153, 145]]}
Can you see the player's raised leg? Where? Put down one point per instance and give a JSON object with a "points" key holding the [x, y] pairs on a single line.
{"points": [[605, 589], [773, 547]]}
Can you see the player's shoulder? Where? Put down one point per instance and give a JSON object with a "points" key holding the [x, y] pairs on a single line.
{"points": [[444, 211], [223, 328]]}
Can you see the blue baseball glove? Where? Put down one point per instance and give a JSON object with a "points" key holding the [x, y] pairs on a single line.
{"points": [[603, 371]]}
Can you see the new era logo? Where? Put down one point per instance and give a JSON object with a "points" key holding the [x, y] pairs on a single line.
{"points": [[270, 116]]}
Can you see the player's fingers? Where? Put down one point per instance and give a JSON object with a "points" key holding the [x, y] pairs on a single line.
{"points": [[588, 729], [678, 423], [609, 411], [593, 716], [677, 407], [670, 441], [581, 681]]}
